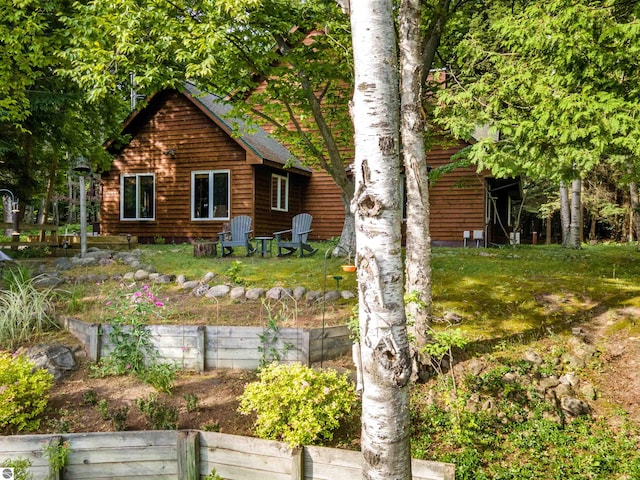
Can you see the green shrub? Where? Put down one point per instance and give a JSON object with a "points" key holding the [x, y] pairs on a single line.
{"points": [[158, 414], [24, 309], [20, 468], [297, 404], [24, 393]]}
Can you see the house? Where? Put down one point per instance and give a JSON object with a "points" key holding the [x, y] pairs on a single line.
{"points": [[189, 168]]}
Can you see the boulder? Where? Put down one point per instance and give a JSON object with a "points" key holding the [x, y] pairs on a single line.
{"points": [[57, 359]]}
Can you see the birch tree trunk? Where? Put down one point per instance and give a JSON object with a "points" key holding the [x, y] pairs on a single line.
{"points": [[635, 209], [575, 226], [565, 214], [384, 349], [418, 240]]}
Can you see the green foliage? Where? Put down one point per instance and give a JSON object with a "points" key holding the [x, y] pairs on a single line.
{"points": [[159, 415], [25, 309], [210, 426], [133, 352], [297, 404], [58, 454], [24, 393], [20, 468], [90, 397], [233, 272], [118, 416], [192, 402], [270, 337], [558, 80], [213, 475]]}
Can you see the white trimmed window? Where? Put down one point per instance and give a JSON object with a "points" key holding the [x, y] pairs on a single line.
{"points": [[138, 196], [280, 192], [210, 195]]}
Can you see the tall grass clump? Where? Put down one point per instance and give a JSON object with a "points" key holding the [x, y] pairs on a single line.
{"points": [[25, 309]]}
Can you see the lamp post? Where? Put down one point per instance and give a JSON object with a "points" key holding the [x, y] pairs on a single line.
{"points": [[82, 168], [15, 209]]}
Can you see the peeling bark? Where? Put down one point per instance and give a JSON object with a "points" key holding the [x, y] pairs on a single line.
{"points": [[384, 347]]}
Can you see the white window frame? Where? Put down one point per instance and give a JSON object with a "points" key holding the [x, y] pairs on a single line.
{"points": [[281, 205], [122, 200], [210, 216]]}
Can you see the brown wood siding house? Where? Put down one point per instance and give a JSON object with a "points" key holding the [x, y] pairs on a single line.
{"points": [[181, 140], [182, 134]]}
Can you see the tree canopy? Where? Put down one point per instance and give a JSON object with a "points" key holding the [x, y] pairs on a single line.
{"points": [[556, 82]]}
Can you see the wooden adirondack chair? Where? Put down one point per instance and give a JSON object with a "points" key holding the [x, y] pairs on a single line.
{"points": [[237, 236], [300, 228]]}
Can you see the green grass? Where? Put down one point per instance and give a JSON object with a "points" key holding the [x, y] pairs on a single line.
{"points": [[506, 293]]}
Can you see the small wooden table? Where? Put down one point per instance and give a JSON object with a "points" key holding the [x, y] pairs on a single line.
{"points": [[263, 245]]}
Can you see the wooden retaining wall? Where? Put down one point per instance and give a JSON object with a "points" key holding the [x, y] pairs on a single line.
{"points": [[191, 455], [201, 348]]}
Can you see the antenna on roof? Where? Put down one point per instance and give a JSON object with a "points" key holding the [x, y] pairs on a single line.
{"points": [[134, 97]]}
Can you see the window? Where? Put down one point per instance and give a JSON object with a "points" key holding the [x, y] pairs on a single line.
{"points": [[210, 195], [280, 192], [137, 196]]}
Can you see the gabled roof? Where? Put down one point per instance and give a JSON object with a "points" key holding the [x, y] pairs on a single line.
{"points": [[253, 139]]}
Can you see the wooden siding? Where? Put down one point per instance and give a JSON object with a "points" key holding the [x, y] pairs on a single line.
{"points": [[268, 221], [174, 123], [457, 199], [324, 202]]}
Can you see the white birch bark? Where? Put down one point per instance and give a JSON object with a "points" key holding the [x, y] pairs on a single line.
{"points": [[384, 348], [575, 227], [565, 214], [418, 240]]}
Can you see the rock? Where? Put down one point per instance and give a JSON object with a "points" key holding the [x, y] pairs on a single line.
{"points": [[164, 278], [276, 293], [563, 390], [57, 359], [570, 379], [574, 361], [180, 279], [237, 293], [347, 295], [255, 293], [299, 292], [128, 276], [588, 391], [83, 262], [62, 263], [475, 367], [533, 357], [313, 296], [548, 382], [218, 291], [190, 285], [332, 296], [574, 406], [208, 277], [48, 280], [140, 275], [200, 290]]}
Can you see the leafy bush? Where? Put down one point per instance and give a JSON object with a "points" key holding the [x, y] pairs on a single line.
{"points": [[133, 352], [158, 414], [297, 404], [24, 393], [20, 468], [25, 310]]}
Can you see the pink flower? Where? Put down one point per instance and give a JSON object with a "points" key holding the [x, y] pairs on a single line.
{"points": [[109, 302], [159, 304]]}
